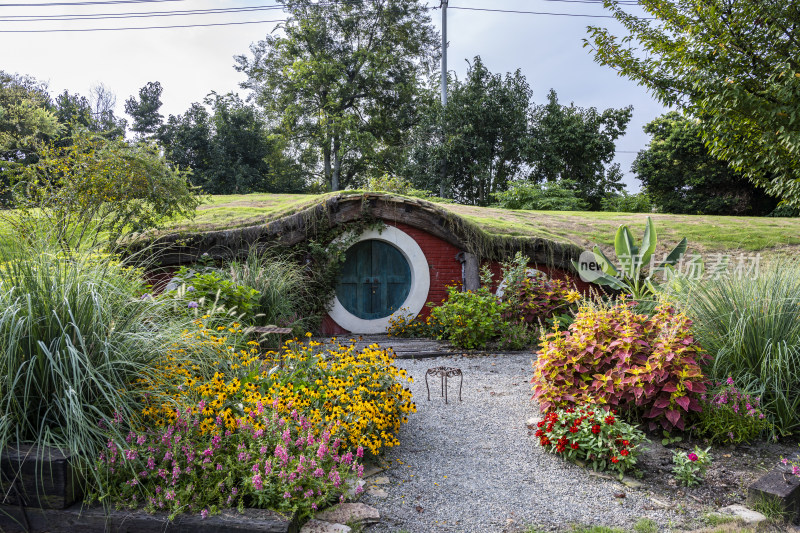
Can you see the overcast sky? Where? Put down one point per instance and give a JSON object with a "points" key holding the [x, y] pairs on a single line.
{"points": [[191, 62]]}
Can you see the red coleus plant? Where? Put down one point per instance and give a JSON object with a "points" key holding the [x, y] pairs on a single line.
{"points": [[539, 298], [590, 434], [624, 360]]}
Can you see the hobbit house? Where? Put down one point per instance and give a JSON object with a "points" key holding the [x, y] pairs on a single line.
{"points": [[399, 254]]}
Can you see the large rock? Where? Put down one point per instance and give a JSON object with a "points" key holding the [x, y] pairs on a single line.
{"points": [[350, 512], [747, 516], [318, 526]]}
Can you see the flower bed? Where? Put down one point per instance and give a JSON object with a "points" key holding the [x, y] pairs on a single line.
{"points": [[283, 431]]}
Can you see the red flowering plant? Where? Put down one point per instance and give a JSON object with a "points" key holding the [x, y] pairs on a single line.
{"points": [[641, 365], [593, 435]]}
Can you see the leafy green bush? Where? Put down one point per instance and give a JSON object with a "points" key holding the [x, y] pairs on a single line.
{"points": [[75, 336], [546, 196], [470, 319], [730, 416], [593, 435], [96, 188], [210, 287], [627, 203], [614, 357], [751, 328]]}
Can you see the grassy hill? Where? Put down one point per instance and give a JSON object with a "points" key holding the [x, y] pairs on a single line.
{"points": [[772, 237]]}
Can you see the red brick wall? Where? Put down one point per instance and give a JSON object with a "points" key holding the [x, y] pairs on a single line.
{"points": [[445, 270]]}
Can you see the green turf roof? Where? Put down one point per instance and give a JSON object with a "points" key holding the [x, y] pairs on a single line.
{"points": [[771, 237]]}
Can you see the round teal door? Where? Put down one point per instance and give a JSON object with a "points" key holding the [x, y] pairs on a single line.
{"points": [[375, 280]]}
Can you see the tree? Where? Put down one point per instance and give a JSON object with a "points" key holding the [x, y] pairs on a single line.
{"points": [[230, 151], [680, 175], [341, 80], [485, 129], [733, 64], [102, 102], [26, 118], [576, 144], [101, 187], [482, 133], [144, 111], [73, 111]]}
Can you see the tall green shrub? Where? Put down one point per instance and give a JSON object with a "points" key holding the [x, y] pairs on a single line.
{"points": [[751, 328], [75, 337]]}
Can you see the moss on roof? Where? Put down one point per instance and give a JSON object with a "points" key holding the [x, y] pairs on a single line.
{"points": [[772, 237]]}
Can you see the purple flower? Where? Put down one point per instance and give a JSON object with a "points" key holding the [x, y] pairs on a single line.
{"points": [[258, 483], [204, 514], [189, 289], [193, 305], [692, 457], [729, 380]]}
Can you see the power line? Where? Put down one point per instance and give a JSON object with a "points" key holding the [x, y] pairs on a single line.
{"points": [[137, 14], [144, 27], [597, 2], [531, 12], [111, 16], [91, 3]]}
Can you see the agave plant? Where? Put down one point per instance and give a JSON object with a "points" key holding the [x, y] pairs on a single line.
{"points": [[631, 276]]}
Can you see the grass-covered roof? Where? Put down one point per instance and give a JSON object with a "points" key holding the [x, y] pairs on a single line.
{"points": [[772, 237]]}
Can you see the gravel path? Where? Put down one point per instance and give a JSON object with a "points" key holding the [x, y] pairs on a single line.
{"points": [[472, 467]]}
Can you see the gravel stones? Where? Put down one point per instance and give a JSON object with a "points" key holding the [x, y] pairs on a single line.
{"points": [[474, 466]]}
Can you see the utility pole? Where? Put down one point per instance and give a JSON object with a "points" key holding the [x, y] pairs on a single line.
{"points": [[443, 5], [444, 52]]}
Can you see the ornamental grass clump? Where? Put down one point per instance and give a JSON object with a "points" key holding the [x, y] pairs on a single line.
{"points": [[593, 435], [750, 324], [267, 462], [730, 416], [75, 335], [279, 283], [641, 365]]}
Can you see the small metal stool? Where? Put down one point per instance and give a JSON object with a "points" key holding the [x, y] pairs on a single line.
{"points": [[444, 372]]}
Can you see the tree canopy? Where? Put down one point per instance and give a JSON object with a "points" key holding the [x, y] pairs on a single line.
{"points": [[102, 188], [680, 175], [145, 110], [578, 145], [482, 134], [26, 117], [733, 64], [341, 79], [229, 149]]}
